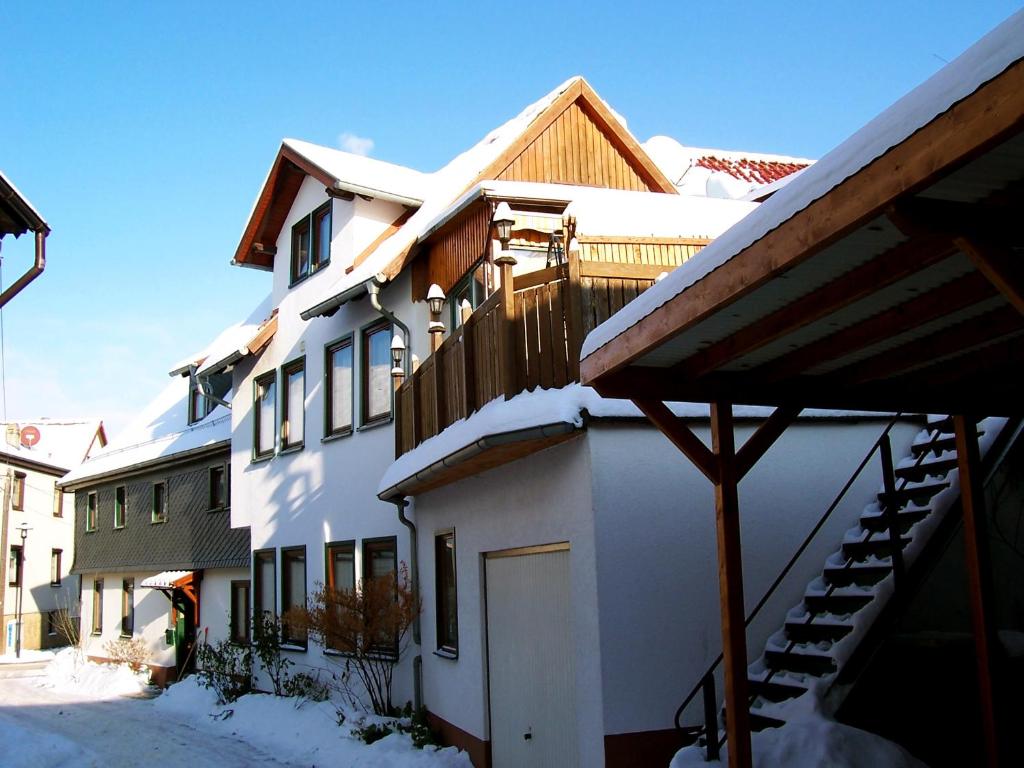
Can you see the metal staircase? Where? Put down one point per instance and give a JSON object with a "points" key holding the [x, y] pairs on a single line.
{"points": [[857, 581]]}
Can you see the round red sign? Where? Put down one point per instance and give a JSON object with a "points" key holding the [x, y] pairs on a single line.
{"points": [[29, 436]]}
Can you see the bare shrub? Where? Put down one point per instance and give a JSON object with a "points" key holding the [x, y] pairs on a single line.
{"points": [[131, 651]]}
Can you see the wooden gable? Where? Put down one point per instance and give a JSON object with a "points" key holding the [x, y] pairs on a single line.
{"points": [[578, 140]]}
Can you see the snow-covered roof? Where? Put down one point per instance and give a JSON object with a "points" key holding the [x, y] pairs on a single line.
{"points": [[443, 187], [985, 60], [58, 443], [365, 175], [234, 342], [161, 430], [544, 407], [165, 579], [718, 172], [17, 214]]}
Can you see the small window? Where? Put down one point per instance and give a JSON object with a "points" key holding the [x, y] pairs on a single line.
{"points": [[58, 501], [293, 591], [300, 250], [18, 492], [55, 569], [240, 621], [293, 376], [338, 365], [198, 405], [311, 243], [447, 604], [127, 607], [90, 512], [321, 237], [469, 293], [376, 373], [120, 505], [14, 566], [264, 574], [218, 488], [52, 622], [97, 607], [159, 509], [265, 413], [341, 566]]}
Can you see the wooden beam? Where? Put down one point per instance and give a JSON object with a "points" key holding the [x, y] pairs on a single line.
{"points": [[681, 436], [948, 298], [763, 439], [730, 586], [998, 265], [978, 122], [389, 230], [640, 240], [979, 576], [891, 267], [622, 270]]}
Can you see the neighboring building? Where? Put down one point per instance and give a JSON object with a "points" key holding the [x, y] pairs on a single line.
{"points": [[154, 547], [36, 454]]}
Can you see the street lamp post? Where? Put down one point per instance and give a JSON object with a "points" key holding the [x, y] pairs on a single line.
{"points": [[23, 529]]}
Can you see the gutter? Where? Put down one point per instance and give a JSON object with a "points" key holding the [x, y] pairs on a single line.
{"points": [[405, 487], [380, 194], [330, 306], [32, 272]]}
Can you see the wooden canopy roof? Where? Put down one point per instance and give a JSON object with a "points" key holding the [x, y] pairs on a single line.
{"points": [[899, 287]]}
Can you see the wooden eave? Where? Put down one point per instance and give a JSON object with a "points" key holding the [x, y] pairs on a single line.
{"points": [[275, 200], [581, 92], [931, 320]]}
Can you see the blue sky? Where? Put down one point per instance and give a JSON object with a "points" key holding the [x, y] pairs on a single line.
{"points": [[142, 132]]}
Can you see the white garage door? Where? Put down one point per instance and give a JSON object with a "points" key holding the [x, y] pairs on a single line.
{"points": [[530, 658]]}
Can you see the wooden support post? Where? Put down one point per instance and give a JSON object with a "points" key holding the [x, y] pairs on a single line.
{"points": [[507, 335], [979, 575], [730, 581], [573, 308], [889, 509], [469, 365]]}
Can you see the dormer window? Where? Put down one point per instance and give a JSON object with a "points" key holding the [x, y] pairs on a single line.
{"points": [[311, 243]]}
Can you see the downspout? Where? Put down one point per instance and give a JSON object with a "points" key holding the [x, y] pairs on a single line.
{"points": [[200, 382], [417, 662], [373, 291], [32, 273]]}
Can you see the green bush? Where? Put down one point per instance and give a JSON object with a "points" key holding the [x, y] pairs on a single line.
{"points": [[225, 668]]}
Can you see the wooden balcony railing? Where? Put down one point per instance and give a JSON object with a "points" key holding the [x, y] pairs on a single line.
{"points": [[527, 334]]}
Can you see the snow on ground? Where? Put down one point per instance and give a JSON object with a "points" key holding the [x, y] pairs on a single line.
{"points": [[810, 740], [80, 713], [27, 657]]}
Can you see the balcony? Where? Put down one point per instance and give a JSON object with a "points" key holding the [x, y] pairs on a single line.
{"points": [[528, 333]]}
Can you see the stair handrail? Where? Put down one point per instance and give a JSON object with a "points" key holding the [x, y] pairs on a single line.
{"points": [[787, 568]]}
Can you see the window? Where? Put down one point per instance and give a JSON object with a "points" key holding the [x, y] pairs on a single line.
{"points": [[198, 405], [58, 501], [447, 605], [219, 498], [127, 607], [265, 413], [14, 566], [97, 607], [18, 492], [52, 622], [159, 509], [470, 292], [90, 512], [55, 570], [240, 622], [376, 373], [341, 565], [293, 591], [120, 505], [338, 367], [264, 574], [311, 243], [293, 376], [380, 558]]}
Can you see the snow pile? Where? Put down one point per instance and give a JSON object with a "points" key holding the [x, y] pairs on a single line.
{"points": [[810, 740], [298, 731], [71, 672], [28, 747]]}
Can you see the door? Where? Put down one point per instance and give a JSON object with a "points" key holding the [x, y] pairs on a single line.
{"points": [[530, 658]]}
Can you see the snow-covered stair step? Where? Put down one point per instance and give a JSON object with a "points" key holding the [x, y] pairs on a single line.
{"points": [[822, 598], [780, 687], [876, 545], [864, 572], [930, 466], [918, 492], [935, 445], [944, 423], [762, 721], [807, 658], [819, 627], [873, 519]]}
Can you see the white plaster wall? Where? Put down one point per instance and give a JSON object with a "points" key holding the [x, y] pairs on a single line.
{"points": [[47, 533], [657, 558], [152, 616], [544, 498], [215, 602], [326, 491]]}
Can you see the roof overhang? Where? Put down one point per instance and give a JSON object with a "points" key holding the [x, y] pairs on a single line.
{"points": [[17, 215], [168, 580], [900, 287]]}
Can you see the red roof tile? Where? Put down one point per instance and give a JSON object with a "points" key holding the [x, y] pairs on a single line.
{"points": [[754, 171]]}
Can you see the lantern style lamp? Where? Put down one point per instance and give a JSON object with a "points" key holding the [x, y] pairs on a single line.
{"points": [[435, 301], [397, 356], [503, 222]]}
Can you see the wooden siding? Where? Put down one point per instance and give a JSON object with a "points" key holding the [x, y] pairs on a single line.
{"points": [[667, 252], [575, 150], [457, 248]]}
